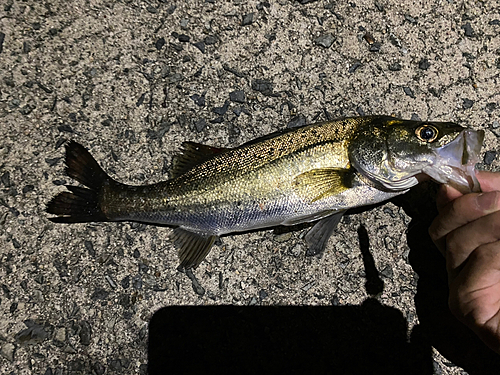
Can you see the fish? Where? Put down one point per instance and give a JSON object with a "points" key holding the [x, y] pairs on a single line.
{"points": [[313, 173]]}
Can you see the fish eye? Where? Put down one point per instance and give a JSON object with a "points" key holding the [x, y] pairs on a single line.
{"points": [[427, 133]]}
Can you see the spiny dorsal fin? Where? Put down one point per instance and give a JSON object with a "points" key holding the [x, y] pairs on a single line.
{"points": [[192, 154], [318, 184], [193, 247]]}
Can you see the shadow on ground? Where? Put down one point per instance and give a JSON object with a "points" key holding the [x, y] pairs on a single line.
{"points": [[368, 338]]}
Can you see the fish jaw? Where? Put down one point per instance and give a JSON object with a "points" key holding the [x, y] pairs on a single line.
{"points": [[455, 162]]}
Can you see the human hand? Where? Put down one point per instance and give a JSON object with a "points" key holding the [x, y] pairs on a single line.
{"points": [[467, 232]]}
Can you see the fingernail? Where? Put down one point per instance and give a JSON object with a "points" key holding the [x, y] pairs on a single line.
{"points": [[488, 201]]}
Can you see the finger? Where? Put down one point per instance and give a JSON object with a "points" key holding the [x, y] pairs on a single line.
{"points": [[489, 181], [474, 294], [461, 242], [461, 211], [445, 195]]}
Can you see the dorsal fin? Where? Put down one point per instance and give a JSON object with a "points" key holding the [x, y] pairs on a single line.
{"points": [[192, 154]]}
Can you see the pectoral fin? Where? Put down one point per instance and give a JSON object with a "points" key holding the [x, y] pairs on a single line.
{"points": [[192, 247], [318, 235], [318, 184]]}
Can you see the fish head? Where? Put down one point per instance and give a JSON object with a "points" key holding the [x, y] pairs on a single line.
{"points": [[396, 154]]}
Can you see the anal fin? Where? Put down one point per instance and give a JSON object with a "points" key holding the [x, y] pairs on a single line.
{"points": [[192, 247]]}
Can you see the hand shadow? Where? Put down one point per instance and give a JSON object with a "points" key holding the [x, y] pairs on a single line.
{"points": [[370, 338]]}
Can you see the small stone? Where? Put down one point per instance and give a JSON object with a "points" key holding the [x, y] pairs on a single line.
{"points": [[184, 22], [174, 78], [65, 128], [387, 272], [424, 64], [98, 368], [198, 99], [408, 91], [52, 161], [467, 103], [89, 247], [60, 334], [183, 38], [221, 110], [494, 22], [237, 96], [38, 295], [263, 294], [143, 268], [360, 111], [375, 47], [227, 68], [495, 124], [489, 157], [26, 47], [140, 100], [217, 120], [247, 19], [263, 86], [2, 38], [354, 67], [5, 179], [27, 109], [53, 31], [490, 107], [200, 124], [99, 293], [297, 250], [110, 281], [137, 282], [468, 30], [10, 82], [325, 40], [34, 334], [8, 351], [151, 9], [200, 46], [160, 43], [210, 39], [198, 289], [125, 283], [296, 122], [410, 19], [85, 333], [28, 188], [283, 237], [415, 117], [14, 103]]}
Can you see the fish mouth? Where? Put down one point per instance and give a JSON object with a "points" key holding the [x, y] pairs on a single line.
{"points": [[455, 162]]}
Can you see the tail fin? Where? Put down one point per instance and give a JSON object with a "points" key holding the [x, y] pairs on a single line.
{"points": [[81, 205]]}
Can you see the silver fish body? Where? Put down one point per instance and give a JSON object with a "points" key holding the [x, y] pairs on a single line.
{"points": [[302, 175]]}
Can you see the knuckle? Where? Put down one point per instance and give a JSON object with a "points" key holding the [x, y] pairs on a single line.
{"points": [[436, 229], [455, 306], [453, 242]]}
